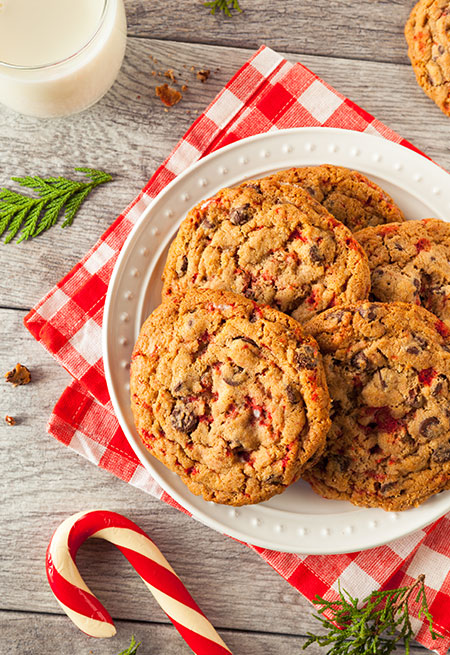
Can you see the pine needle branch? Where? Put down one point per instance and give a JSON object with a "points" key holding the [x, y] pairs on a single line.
{"points": [[55, 196], [132, 648], [374, 626], [224, 6]]}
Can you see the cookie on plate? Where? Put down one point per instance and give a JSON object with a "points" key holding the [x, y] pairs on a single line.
{"points": [[349, 195], [427, 33], [229, 394], [388, 373], [259, 244], [410, 262]]}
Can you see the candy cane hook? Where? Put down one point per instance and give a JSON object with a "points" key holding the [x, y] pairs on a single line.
{"points": [[85, 609]]}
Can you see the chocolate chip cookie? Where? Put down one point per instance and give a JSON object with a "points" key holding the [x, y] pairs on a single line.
{"points": [[229, 394], [349, 195], [410, 262], [427, 33], [256, 241], [388, 373]]}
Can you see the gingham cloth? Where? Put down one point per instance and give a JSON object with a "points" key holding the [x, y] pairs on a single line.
{"points": [[268, 93]]}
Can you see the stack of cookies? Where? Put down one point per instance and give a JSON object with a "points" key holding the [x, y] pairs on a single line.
{"points": [[302, 333]]}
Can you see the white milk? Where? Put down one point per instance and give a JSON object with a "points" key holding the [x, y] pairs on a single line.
{"points": [[58, 57]]}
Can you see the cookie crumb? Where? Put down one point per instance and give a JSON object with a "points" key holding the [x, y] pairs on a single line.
{"points": [[170, 74], [10, 420], [168, 95], [203, 75], [18, 376], [192, 68], [184, 87]]}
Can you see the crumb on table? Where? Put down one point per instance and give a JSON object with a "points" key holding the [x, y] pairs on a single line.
{"points": [[168, 95], [203, 75], [10, 420], [19, 375], [170, 74]]}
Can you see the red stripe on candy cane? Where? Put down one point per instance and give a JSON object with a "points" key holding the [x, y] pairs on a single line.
{"points": [[85, 609], [75, 598], [198, 643], [160, 577]]}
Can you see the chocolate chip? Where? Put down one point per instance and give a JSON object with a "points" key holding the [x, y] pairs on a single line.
{"points": [[337, 316], [420, 340], [359, 360], [342, 462], [368, 311], [202, 348], [398, 246], [437, 389], [427, 427], [306, 358], [311, 191], [293, 394], [242, 454], [386, 488], [412, 350], [246, 340], [183, 418], [178, 387], [206, 225], [240, 215], [183, 268], [253, 317], [315, 254], [274, 479], [441, 455], [235, 375], [416, 399], [254, 186]]}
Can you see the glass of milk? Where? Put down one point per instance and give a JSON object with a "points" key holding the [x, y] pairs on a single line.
{"points": [[58, 57]]}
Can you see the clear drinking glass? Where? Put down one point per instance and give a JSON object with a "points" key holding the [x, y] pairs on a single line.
{"points": [[74, 83]]}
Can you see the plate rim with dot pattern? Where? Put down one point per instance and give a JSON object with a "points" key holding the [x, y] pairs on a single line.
{"points": [[411, 187]]}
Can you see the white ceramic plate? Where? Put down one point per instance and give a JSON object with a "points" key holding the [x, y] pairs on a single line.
{"points": [[298, 520]]}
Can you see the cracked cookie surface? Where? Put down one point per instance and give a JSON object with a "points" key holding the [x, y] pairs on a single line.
{"points": [[229, 394], [350, 196], [427, 33], [410, 262], [256, 241], [388, 373]]}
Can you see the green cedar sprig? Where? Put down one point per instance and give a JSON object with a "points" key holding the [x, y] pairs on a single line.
{"points": [[56, 195], [224, 6], [372, 627], [132, 648]]}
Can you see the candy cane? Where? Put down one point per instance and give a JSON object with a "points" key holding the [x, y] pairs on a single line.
{"points": [[85, 609]]}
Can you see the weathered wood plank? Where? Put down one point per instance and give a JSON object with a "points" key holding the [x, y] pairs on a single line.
{"points": [[358, 30], [36, 634], [129, 134]]}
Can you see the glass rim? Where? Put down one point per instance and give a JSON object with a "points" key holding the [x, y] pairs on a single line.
{"points": [[53, 64]]}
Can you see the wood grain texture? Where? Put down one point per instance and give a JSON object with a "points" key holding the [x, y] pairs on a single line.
{"points": [[370, 30], [359, 48], [156, 639]]}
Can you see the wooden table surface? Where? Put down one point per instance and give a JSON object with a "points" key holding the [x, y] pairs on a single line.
{"points": [[359, 48]]}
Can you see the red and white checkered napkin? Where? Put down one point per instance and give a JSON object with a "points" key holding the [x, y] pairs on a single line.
{"points": [[267, 93]]}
